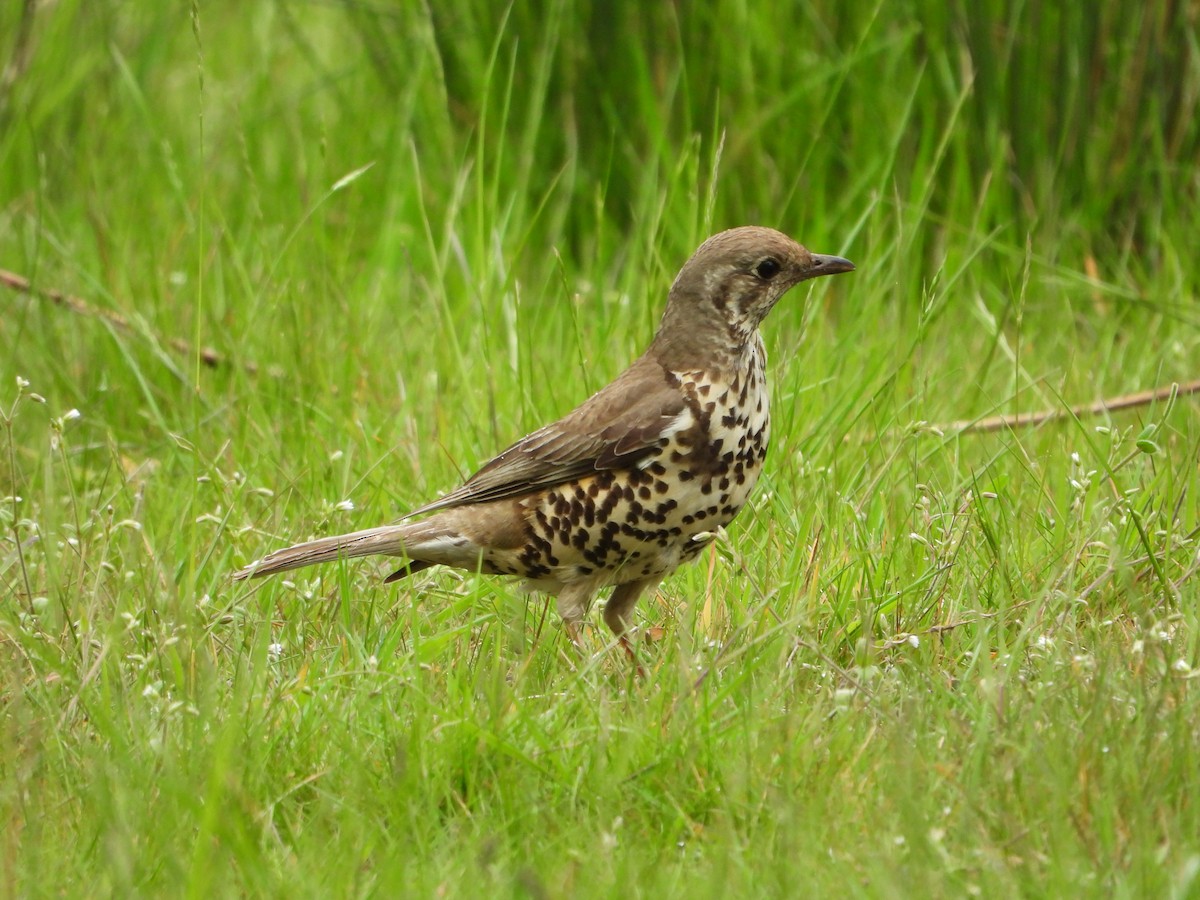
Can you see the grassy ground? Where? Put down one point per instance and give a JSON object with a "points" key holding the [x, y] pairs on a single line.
{"points": [[924, 662]]}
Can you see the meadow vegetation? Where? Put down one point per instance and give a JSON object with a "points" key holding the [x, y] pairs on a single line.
{"points": [[332, 256]]}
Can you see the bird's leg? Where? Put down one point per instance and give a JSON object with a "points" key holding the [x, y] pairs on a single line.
{"points": [[618, 614], [573, 602], [627, 646], [573, 632]]}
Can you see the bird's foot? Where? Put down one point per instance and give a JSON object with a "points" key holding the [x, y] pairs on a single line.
{"points": [[574, 632], [631, 653]]}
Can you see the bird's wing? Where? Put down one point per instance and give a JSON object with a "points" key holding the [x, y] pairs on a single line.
{"points": [[615, 428]]}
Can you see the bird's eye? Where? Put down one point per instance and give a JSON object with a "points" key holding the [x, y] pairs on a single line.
{"points": [[767, 269]]}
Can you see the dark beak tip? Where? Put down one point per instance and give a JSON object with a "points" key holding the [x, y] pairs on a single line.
{"points": [[831, 265]]}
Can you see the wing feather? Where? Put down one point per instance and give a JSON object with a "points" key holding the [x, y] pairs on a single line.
{"points": [[618, 427]]}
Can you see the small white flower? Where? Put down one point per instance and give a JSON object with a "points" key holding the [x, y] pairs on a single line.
{"points": [[275, 650], [1181, 666], [22, 383], [608, 839], [345, 505], [72, 414]]}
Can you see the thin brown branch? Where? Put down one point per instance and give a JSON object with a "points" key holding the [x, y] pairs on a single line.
{"points": [[1105, 405], [210, 357]]}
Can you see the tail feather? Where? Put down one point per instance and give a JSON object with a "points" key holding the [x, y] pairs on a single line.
{"points": [[408, 569], [390, 540]]}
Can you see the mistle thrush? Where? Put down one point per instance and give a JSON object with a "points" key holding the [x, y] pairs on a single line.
{"points": [[635, 481]]}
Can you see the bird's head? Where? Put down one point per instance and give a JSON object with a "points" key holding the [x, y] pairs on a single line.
{"points": [[730, 284]]}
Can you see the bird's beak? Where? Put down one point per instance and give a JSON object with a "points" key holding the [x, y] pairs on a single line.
{"points": [[828, 265]]}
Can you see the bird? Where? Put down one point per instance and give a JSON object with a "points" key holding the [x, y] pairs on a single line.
{"points": [[635, 481]]}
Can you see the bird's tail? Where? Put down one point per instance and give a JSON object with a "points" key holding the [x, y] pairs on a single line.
{"points": [[388, 540]]}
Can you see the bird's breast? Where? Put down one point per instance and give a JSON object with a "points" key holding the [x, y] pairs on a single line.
{"points": [[717, 460]]}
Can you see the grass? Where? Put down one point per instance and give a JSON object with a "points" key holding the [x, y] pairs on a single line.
{"points": [[923, 662]]}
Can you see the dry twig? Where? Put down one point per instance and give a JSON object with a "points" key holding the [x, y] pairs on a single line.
{"points": [[210, 357], [1107, 404]]}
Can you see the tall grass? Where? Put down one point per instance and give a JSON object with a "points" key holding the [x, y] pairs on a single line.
{"points": [[923, 662]]}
